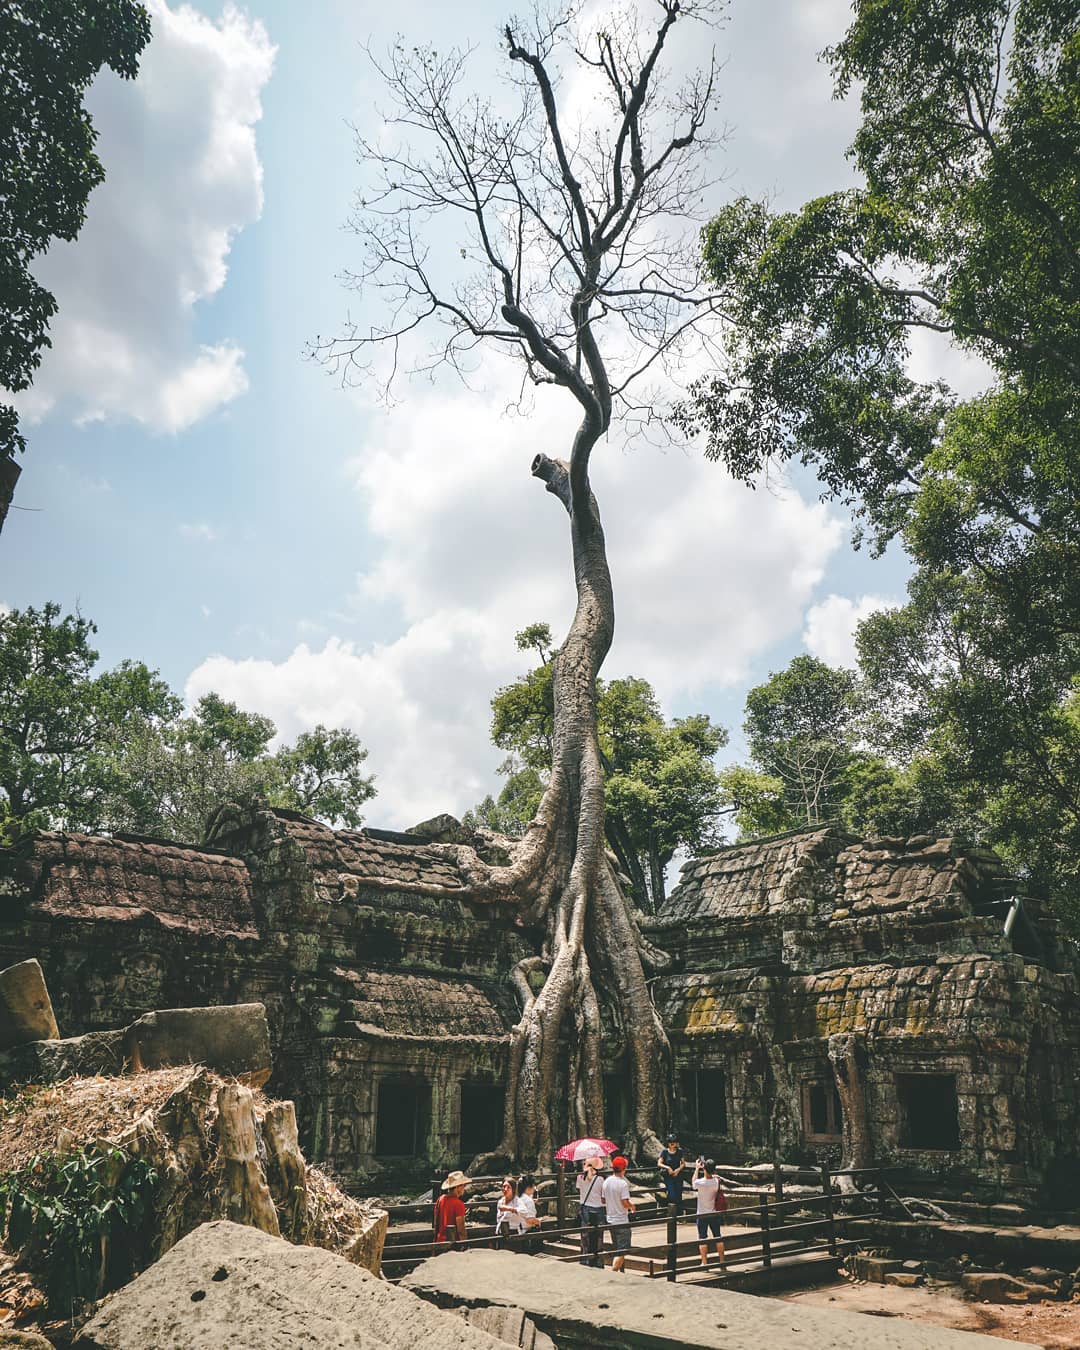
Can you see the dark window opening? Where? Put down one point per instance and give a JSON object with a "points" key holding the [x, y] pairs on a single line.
{"points": [[402, 1118], [928, 1114], [616, 1105], [821, 1116], [704, 1101], [481, 1117]]}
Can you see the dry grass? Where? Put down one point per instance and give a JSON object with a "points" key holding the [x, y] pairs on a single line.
{"points": [[33, 1118]]}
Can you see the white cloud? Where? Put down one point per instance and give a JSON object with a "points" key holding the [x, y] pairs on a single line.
{"points": [[830, 626], [934, 357], [707, 575], [182, 176], [199, 530]]}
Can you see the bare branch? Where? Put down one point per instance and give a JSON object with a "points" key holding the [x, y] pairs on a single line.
{"points": [[573, 247]]}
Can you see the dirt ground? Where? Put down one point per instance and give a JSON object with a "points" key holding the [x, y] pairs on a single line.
{"points": [[1055, 1326]]}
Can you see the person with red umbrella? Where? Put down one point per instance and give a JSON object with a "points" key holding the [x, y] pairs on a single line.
{"points": [[590, 1188]]}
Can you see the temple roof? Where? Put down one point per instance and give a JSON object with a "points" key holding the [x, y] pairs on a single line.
{"points": [[369, 857], [126, 878], [832, 874], [756, 879], [393, 1003]]}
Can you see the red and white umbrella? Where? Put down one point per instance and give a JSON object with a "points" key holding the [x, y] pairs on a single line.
{"points": [[577, 1150]]}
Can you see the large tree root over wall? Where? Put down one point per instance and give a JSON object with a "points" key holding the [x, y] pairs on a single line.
{"points": [[561, 879]]}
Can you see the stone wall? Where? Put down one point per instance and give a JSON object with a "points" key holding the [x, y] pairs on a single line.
{"points": [[901, 944], [387, 992], [370, 965]]}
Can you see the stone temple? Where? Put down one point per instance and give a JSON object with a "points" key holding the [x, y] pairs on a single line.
{"points": [[390, 1005]]}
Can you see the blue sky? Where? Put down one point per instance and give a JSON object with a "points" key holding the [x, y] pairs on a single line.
{"points": [[226, 512]]}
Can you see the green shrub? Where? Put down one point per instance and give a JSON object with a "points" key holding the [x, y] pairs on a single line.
{"points": [[77, 1219]]}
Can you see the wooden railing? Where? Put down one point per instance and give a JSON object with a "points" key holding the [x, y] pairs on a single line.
{"points": [[775, 1233]]}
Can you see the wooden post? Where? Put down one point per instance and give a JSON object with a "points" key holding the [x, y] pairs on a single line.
{"points": [[560, 1197], [436, 1190], [766, 1244], [778, 1187], [826, 1185], [672, 1240], [880, 1176]]}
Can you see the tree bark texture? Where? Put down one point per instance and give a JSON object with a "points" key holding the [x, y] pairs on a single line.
{"points": [[591, 937], [247, 1197], [847, 1055]]}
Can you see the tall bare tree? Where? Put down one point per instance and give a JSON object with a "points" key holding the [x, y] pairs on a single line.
{"points": [[579, 257]]}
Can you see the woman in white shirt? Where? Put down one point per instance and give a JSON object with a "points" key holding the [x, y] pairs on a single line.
{"points": [[711, 1203], [590, 1189], [507, 1217]]}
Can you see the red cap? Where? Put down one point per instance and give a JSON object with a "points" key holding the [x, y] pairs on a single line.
{"points": [[619, 1163]]}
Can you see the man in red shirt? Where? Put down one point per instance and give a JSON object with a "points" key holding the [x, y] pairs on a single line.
{"points": [[450, 1212]]}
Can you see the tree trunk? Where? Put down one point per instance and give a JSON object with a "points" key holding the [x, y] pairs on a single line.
{"points": [[591, 937], [619, 839], [847, 1055], [247, 1197], [9, 476], [656, 873]]}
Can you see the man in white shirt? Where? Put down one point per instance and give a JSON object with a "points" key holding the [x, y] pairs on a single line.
{"points": [[528, 1220], [711, 1203], [618, 1206]]}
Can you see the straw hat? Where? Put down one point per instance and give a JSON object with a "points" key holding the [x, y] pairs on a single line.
{"points": [[455, 1179]]}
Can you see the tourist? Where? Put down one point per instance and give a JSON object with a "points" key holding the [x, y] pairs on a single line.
{"points": [[528, 1219], [590, 1188], [711, 1203], [618, 1210], [450, 1212], [507, 1218], [671, 1163]]}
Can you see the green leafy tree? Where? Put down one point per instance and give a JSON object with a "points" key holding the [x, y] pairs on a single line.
{"points": [[517, 802], [821, 749], [112, 750], [756, 800], [172, 777], [968, 226], [60, 723], [322, 775], [662, 791], [50, 52], [799, 729]]}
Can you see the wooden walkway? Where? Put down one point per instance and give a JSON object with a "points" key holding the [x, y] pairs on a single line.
{"points": [[770, 1243]]}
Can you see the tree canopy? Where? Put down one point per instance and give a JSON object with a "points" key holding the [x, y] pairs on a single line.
{"points": [[799, 733], [662, 790], [50, 52], [60, 724], [114, 751], [968, 226]]}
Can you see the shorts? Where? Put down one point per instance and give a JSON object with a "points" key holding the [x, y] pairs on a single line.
{"points": [[620, 1236], [706, 1224]]}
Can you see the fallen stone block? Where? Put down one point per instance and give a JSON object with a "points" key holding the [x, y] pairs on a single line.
{"points": [[873, 1269], [992, 1286], [233, 1040], [509, 1325], [26, 1011], [1040, 1275], [98, 1052], [577, 1306], [904, 1279], [23, 1340], [228, 1285]]}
